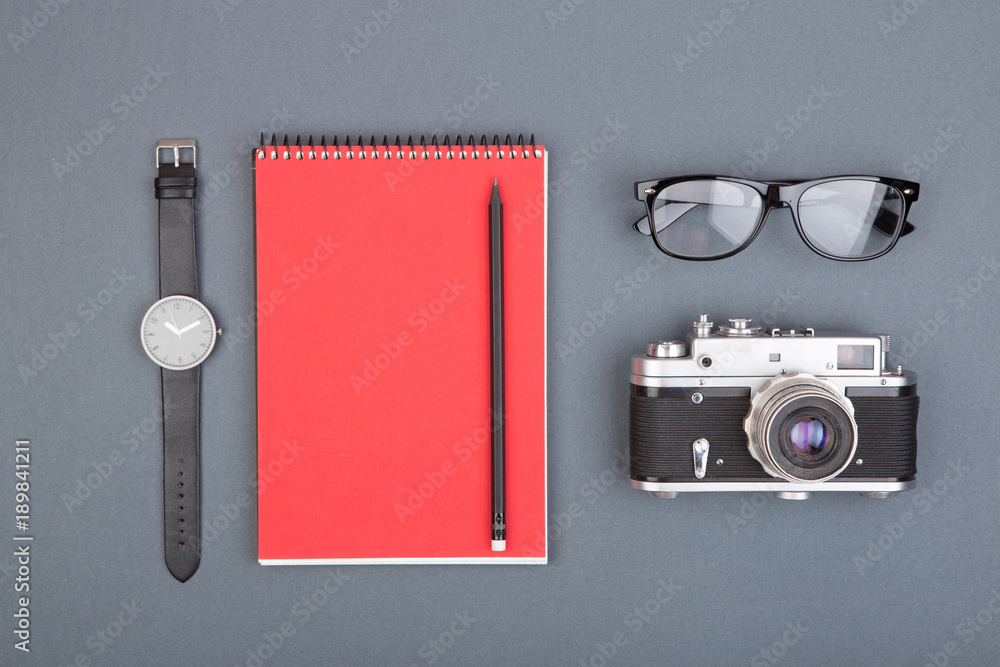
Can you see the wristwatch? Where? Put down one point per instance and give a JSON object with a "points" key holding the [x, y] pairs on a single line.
{"points": [[178, 333]]}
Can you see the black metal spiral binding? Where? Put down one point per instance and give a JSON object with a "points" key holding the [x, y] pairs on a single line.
{"points": [[459, 150]]}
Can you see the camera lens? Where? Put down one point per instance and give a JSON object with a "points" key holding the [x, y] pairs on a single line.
{"points": [[801, 428], [807, 436]]}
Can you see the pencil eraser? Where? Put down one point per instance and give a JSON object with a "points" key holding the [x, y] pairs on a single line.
{"points": [[499, 545]]}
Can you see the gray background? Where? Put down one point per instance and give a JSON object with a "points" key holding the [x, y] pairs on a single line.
{"points": [[909, 90]]}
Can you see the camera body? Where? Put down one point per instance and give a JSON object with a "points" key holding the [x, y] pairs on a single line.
{"points": [[733, 408]]}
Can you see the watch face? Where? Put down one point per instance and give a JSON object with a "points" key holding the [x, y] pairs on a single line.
{"points": [[178, 332]]}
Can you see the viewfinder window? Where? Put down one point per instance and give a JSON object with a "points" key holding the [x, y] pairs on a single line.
{"points": [[855, 357]]}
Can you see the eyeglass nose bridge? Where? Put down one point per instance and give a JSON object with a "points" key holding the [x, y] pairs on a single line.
{"points": [[773, 198]]}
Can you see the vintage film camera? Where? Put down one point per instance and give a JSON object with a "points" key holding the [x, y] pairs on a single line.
{"points": [[733, 408]]}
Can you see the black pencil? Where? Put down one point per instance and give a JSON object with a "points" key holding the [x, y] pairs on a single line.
{"points": [[499, 525]]}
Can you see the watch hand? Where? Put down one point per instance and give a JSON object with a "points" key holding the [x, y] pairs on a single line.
{"points": [[190, 326], [171, 327], [172, 319]]}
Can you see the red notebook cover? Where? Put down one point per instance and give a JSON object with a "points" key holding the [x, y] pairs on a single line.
{"points": [[373, 363]]}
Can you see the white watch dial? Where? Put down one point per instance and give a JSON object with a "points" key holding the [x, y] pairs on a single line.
{"points": [[178, 332]]}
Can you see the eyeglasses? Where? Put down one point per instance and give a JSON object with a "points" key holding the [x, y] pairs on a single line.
{"points": [[847, 218]]}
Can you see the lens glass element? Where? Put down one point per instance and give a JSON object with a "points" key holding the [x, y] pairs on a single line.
{"points": [[808, 436], [851, 218], [705, 218]]}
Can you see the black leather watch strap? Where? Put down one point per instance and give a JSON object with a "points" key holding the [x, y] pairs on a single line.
{"points": [[181, 492], [176, 187]]}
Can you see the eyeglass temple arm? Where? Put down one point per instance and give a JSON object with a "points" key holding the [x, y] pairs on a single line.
{"points": [[642, 226], [885, 224]]}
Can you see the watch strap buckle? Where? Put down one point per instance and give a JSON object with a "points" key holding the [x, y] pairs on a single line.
{"points": [[176, 145]]}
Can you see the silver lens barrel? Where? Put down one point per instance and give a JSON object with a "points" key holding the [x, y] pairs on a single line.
{"points": [[802, 396]]}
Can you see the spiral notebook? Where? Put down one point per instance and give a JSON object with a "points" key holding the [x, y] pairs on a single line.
{"points": [[373, 351]]}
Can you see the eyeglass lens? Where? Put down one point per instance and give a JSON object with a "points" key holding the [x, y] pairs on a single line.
{"points": [[851, 218], [705, 218]]}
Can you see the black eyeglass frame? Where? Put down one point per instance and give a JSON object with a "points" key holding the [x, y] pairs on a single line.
{"points": [[777, 194]]}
